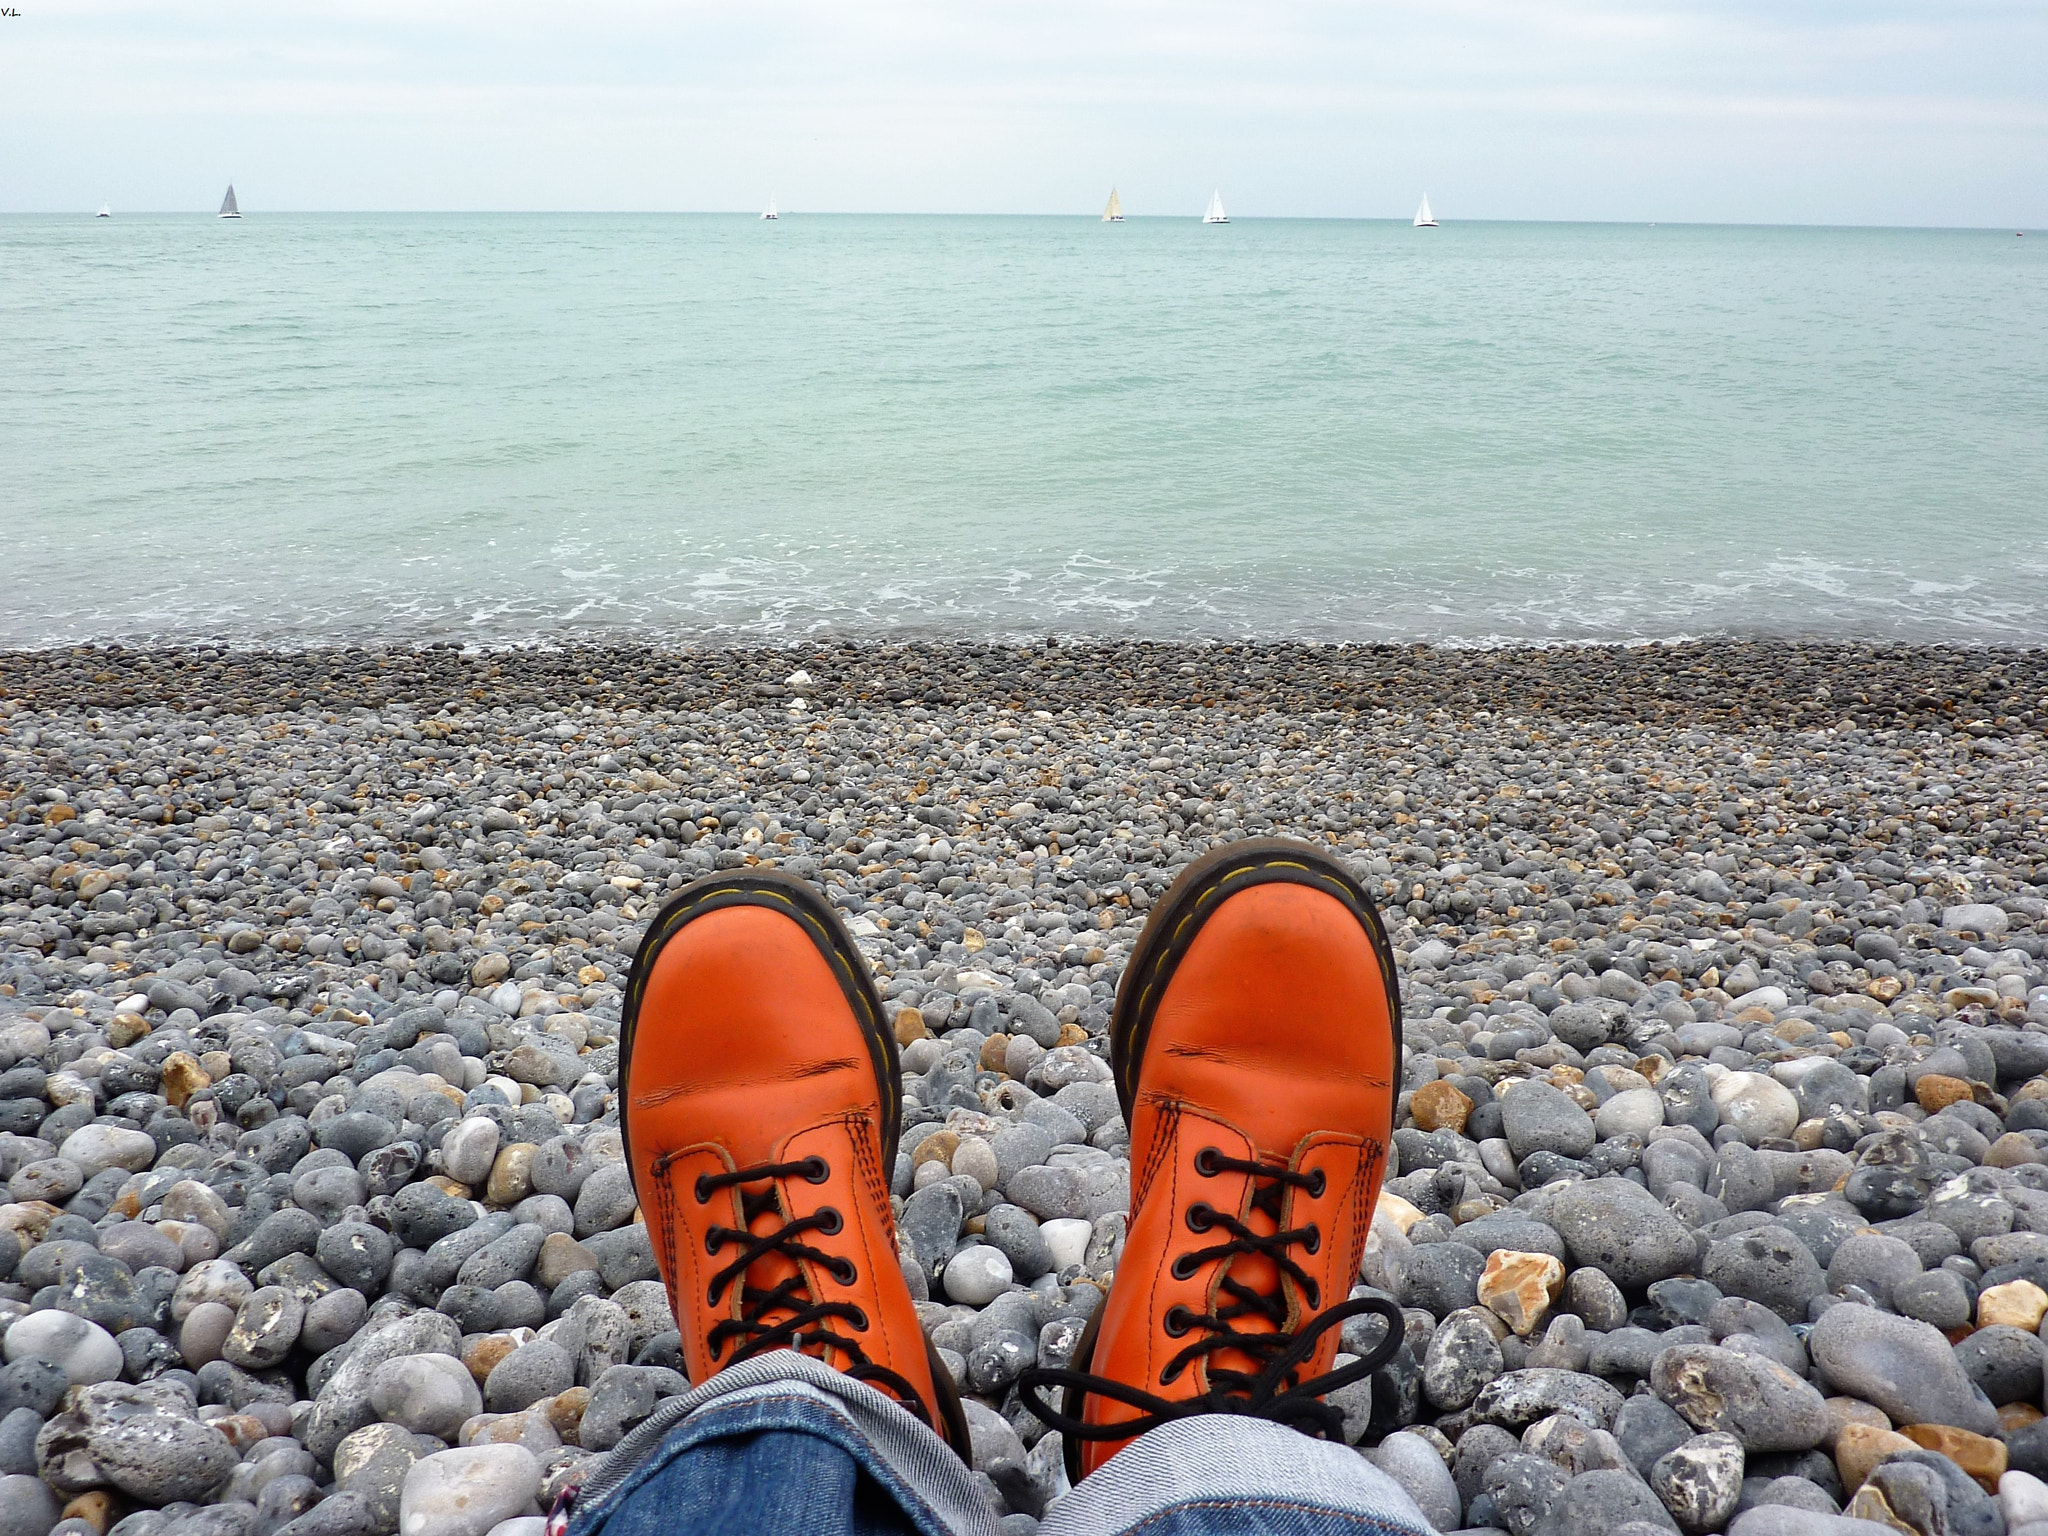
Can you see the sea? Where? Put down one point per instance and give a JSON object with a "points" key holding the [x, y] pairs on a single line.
{"points": [[306, 430]]}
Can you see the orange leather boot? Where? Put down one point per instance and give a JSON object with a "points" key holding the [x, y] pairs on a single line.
{"points": [[1256, 1055], [761, 1107]]}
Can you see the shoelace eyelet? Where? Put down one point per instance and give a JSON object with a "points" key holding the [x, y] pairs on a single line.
{"points": [[837, 1221], [1182, 1269], [1318, 1182], [816, 1171], [703, 1189], [1314, 1241], [1178, 1320], [1205, 1162], [1201, 1216], [845, 1271]]}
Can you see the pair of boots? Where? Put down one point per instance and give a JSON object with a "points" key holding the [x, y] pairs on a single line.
{"points": [[1255, 1055]]}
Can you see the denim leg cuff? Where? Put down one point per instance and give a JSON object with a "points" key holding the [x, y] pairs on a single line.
{"points": [[899, 1451], [1221, 1462]]}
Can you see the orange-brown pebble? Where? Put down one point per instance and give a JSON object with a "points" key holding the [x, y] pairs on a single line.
{"points": [[243, 1430], [938, 1147], [1440, 1106], [486, 1351], [2018, 1416], [910, 1026], [1860, 1447], [1979, 1455], [565, 1412], [1936, 1092], [1853, 1410], [992, 1051], [1072, 1034]]}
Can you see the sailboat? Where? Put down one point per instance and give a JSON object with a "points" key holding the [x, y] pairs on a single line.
{"points": [[1424, 219], [1216, 215], [228, 210], [106, 212], [771, 213], [1114, 213]]}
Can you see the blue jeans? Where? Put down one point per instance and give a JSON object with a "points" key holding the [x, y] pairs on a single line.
{"points": [[783, 1444]]}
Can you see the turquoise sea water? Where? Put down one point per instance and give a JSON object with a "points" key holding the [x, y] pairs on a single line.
{"points": [[313, 428]]}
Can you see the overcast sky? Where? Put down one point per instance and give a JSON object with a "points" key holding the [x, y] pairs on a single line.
{"points": [[1770, 111]]}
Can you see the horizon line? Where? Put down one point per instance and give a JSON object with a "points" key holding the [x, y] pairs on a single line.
{"points": [[842, 213]]}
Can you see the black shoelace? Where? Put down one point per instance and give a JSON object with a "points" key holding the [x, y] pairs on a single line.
{"points": [[1268, 1392], [808, 1323]]}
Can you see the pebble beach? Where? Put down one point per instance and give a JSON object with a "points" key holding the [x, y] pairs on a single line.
{"points": [[1713, 1205]]}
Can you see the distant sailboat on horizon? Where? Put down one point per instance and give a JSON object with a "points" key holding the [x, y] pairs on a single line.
{"points": [[1424, 219], [228, 207], [1216, 215], [1114, 213], [106, 212], [771, 213]]}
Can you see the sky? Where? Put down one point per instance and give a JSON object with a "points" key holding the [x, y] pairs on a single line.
{"points": [[1890, 112]]}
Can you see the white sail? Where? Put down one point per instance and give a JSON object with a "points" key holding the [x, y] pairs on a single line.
{"points": [[771, 213], [228, 210], [1216, 215], [1114, 213], [106, 212], [1424, 219]]}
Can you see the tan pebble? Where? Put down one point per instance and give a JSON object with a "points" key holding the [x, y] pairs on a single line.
{"points": [[1869, 1504], [1859, 1447], [2017, 1416], [1979, 1455], [2012, 1150], [1519, 1287], [910, 1026], [511, 1178], [183, 1076], [992, 1050], [560, 1257], [452, 1187], [1402, 1214], [125, 1029], [1936, 1092], [977, 1159], [1440, 1106], [938, 1147], [98, 1508], [1072, 1034], [1807, 1135], [2016, 1304]]}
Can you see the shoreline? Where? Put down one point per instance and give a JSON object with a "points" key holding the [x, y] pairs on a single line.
{"points": [[1867, 684]]}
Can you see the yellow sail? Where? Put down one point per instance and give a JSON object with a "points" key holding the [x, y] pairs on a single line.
{"points": [[1114, 213]]}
